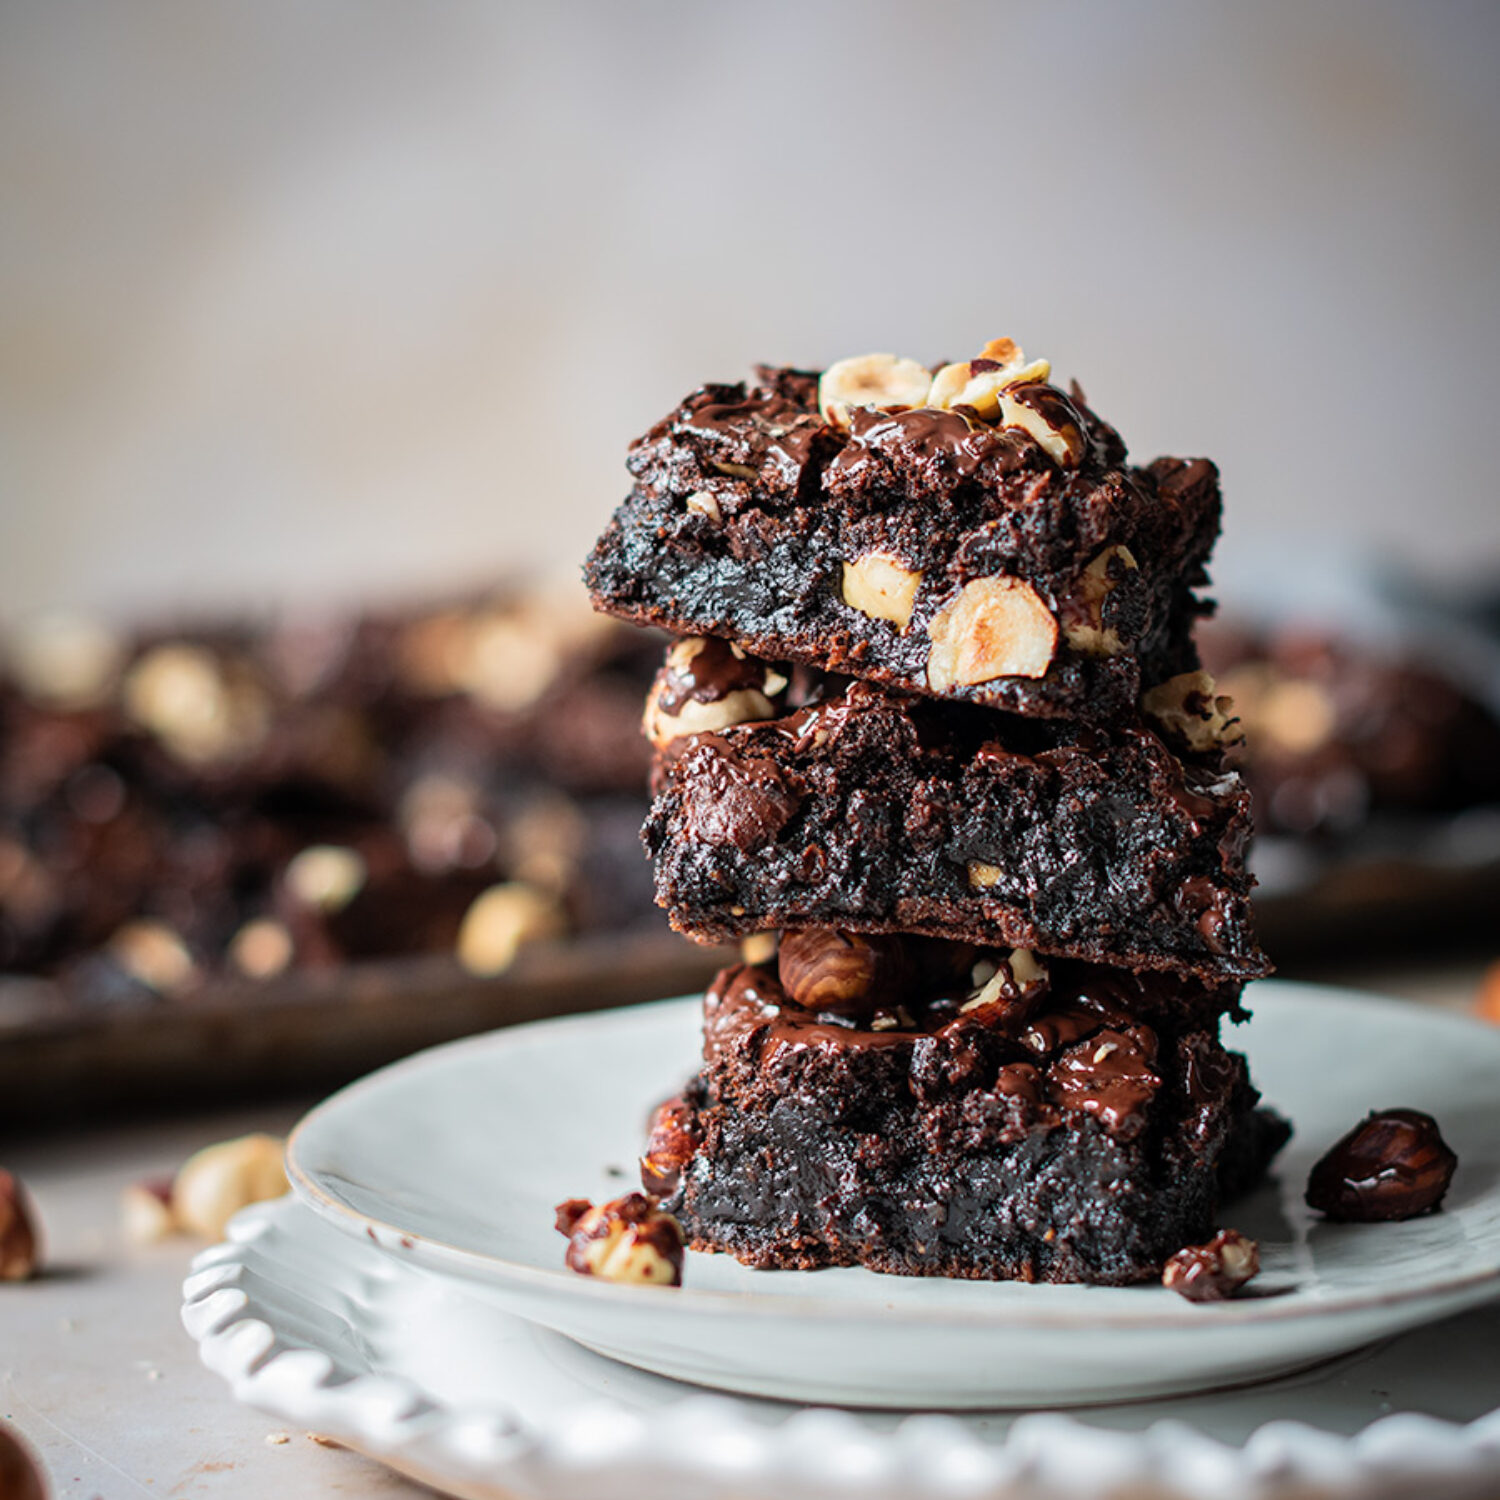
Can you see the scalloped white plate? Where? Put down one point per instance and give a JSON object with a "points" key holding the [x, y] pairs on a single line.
{"points": [[326, 1332], [454, 1159]]}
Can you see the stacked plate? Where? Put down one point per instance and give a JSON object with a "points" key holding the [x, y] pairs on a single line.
{"points": [[409, 1300]]}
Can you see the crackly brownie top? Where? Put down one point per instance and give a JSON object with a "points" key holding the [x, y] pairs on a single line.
{"points": [[1049, 1040], [987, 437]]}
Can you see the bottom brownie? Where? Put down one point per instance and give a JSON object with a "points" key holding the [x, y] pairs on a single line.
{"points": [[1036, 1131]]}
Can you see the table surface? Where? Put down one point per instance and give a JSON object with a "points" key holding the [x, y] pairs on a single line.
{"points": [[97, 1373]]}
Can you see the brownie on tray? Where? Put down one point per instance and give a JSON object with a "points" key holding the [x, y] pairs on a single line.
{"points": [[874, 810], [975, 535], [1074, 1125]]}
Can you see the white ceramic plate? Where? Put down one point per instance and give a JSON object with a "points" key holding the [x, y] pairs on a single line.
{"points": [[324, 1331], [456, 1157]]}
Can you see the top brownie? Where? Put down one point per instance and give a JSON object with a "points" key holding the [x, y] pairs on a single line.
{"points": [[974, 535]]}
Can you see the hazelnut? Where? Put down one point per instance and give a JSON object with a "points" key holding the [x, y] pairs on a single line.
{"points": [[669, 1147], [996, 627], [261, 949], [146, 1211], [1296, 716], [508, 658], [982, 876], [1005, 981], [1021, 406], [20, 1471], [195, 705], [546, 841], [704, 503], [1087, 632], [738, 704], [848, 973], [215, 1183], [1212, 1272], [19, 1248], [627, 1239], [977, 383], [1394, 1164], [882, 381], [879, 586], [1187, 709], [501, 921], [758, 948], [66, 661], [326, 877], [152, 953]]}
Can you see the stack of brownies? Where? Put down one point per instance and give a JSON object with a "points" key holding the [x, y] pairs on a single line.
{"points": [[934, 717]]}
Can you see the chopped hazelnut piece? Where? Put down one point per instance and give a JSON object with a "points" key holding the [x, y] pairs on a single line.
{"points": [[996, 627], [1215, 1271], [982, 876], [882, 587], [1187, 708], [1088, 633], [627, 1239]]}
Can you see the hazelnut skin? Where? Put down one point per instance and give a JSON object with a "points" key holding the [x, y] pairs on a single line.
{"points": [[847, 973]]}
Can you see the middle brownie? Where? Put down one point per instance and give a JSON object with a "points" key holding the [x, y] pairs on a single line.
{"points": [[875, 811]]}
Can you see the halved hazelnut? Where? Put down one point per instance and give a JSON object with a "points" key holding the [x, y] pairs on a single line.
{"points": [[996, 627], [882, 587], [1088, 633], [1063, 442], [501, 921], [1187, 708], [977, 383], [740, 705], [215, 1183], [883, 381]]}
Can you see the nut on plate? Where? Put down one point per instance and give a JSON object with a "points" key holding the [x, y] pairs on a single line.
{"points": [[995, 627], [20, 1249], [881, 587], [215, 1183], [628, 1239], [21, 1475], [885, 382], [501, 921], [1394, 1164], [1215, 1271], [670, 1146], [1188, 709], [847, 973]]}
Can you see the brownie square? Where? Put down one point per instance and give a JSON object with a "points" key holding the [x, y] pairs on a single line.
{"points": [[878, 811], [924, 549], [1065, 1137]]}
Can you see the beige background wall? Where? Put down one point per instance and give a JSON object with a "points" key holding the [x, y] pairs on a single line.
{"points": [[305, 296]]}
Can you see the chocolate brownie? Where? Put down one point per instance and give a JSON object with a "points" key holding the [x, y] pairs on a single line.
{"points": [[1077, 1126], [873, 810], [987, 545]]}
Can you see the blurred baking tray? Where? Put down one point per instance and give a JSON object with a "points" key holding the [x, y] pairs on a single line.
{"points": [[61, 1061]]}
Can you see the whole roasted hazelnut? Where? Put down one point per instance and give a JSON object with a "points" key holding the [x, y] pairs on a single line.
{"points": [[1212, 1272], [1394, 1164], [848, 973], [670, 1146], [215, 1183], [20, 1472], [18, 1237], [628, 1239]]}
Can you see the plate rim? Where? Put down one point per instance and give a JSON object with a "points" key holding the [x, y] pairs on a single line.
{"points": [[230, 1311], [499, 1272]]}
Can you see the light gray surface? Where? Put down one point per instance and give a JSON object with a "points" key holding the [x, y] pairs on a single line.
{"points": [[367, 294]]}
